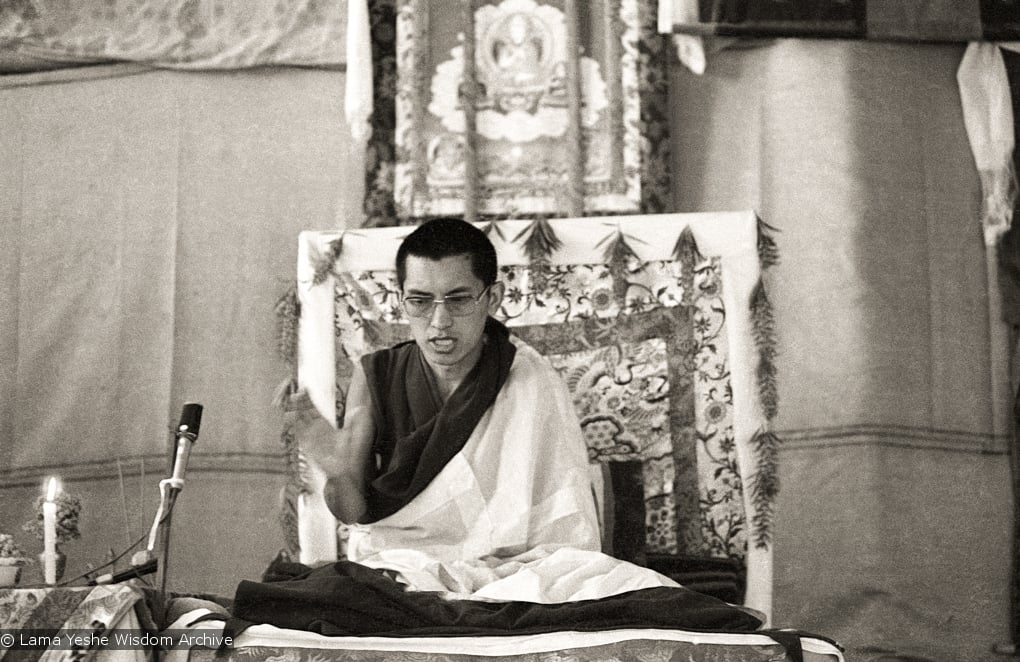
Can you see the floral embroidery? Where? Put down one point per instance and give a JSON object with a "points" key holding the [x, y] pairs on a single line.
{"points": [[649, 377], [631, 650]]}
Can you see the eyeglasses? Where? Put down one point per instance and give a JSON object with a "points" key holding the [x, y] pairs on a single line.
{"points": [[458, 305]]}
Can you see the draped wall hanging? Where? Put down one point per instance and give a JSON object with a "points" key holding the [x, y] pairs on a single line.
{"points": [[424, 161], [179, 34], [935, 20], [662, 331]]}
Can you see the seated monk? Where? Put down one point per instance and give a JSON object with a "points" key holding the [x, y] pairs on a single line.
{"points": [[464, 479], [461, 464]]}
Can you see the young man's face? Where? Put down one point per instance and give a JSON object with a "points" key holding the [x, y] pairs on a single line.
{"points": [[449, 342]]}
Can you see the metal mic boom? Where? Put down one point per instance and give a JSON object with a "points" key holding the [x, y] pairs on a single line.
{"points": [[146, 568]]}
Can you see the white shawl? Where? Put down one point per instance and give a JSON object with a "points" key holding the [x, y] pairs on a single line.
{"points": [[513, 515]]}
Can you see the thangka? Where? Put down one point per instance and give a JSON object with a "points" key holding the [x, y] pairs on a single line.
{"points": [[522, 151]]}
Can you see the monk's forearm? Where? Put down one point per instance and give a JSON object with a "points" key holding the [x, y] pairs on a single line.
{"points": [[345, 496], [347, 485]]}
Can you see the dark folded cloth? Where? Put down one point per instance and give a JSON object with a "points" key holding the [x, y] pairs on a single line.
{"points": [[667, 563], [348, 599], [723, 590], [717, 577]]}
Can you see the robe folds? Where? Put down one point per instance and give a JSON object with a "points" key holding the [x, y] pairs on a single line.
{"points": [[417, 433], [512, 515], [504, 538]]}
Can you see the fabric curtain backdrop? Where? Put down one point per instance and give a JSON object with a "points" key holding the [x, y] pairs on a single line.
{"points": [[913, 20], [894, 518], [148, 229], [180, 34]]}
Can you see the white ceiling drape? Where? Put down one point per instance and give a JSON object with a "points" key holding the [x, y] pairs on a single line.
{"points": [[177, 34]]}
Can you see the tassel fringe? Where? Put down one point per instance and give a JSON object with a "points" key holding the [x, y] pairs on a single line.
{"points": [[686, 247], [687, 253], [288, 313], [765, 485], [764, 327], [324, 264], [768, 251], [292, 488], [493, 228], [617, 253], [542, 241]]}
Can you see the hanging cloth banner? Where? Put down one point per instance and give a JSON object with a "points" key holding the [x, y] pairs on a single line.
{"points": [[358, 88], [536, 135], [988, 116], [935, 20]]}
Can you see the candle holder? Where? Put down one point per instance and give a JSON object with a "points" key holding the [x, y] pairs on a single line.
{"points": [[59, 563], [66, 528]]}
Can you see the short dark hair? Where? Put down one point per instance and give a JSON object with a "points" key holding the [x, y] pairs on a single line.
{"points": [[445, 237]]}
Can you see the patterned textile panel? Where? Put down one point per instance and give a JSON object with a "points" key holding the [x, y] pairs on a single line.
{"points": [[80, 609], [645, 359], [639, 650]]}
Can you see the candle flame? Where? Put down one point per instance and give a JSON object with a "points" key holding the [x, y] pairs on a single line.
{"points": [[51, 491]]}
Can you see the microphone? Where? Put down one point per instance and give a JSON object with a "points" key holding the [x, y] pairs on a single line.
{"points": [[187, 434]]}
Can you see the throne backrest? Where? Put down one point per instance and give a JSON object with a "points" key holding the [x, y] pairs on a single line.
{"points": [[651, 322]]}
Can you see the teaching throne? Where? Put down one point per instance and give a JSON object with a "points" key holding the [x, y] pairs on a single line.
{"points": [[660, 327]]}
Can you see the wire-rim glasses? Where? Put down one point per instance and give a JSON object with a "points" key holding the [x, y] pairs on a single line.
{"points": [[458, 305]]}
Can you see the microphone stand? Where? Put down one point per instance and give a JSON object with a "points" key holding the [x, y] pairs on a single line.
{"points": [[187, 434], [171, 500], [169, 488], [144, 562], [160, 532]]}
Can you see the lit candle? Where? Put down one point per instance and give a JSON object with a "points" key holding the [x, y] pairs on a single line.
{"points": [[50, 533]]}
